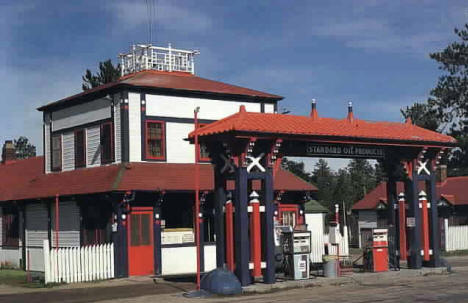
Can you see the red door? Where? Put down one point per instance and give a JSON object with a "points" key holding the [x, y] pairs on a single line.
{"points": [[140, 242]]}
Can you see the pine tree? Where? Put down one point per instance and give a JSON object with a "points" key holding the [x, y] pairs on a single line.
{"points": [[107, 73]]}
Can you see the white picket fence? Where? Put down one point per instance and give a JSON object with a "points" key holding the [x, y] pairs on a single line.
{"points": [[342, 241], [456, 237], [78, 264]]}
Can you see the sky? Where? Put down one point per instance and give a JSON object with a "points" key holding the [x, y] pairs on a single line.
{"points": [[371, 52]]}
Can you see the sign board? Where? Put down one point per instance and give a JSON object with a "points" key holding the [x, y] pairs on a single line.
{"points": [[345, 151], [410, 222]]}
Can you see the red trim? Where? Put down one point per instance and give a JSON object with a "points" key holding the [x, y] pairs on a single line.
{"points": [[163, 140], [200, 158], [402, 219], [425, 229], [256, 240], [229, 237], [288, 208]]}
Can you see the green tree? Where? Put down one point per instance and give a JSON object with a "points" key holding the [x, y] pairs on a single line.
{"points": [[343, 189], [323, 177], [296, 168], [362, 176], [23, 148], [448, 101], [107, 73], [422, 114]]}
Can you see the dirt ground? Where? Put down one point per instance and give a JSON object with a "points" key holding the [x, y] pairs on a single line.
{"points": [[368, 288]]}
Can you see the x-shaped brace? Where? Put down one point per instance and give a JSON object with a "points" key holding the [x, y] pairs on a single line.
{"points": [[422, 167], [228, 165], [255, 162]]}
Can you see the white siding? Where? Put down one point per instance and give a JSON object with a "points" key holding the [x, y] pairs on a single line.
{"points": [[93, 144], [69, 220], [134, 117], [171, 260], [47, 144], [182, 107], [366, 219], [117, 134], [269, 108], [81, 114], [68, 151], [178, 150], [36, 233], [315, 225]]}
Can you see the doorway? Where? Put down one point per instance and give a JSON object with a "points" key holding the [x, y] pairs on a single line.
{"points": [[140, 242]]}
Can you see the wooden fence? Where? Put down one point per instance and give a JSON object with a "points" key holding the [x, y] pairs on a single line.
{"points": [[78, 264], [456, 237]]}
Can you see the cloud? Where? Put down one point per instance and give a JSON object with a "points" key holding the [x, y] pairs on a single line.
{"points": [[169, 16]]}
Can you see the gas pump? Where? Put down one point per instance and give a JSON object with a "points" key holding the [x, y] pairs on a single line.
{"points": [[376, 256], [296, 247]]}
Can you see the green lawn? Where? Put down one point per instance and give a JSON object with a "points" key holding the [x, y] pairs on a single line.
{"points": [[15, 277], [455, 253]]}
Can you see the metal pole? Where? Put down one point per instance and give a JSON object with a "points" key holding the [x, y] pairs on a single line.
{"points": [[197, 196]]}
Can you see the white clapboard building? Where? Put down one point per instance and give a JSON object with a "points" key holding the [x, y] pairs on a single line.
{"points": [[118, 166]]}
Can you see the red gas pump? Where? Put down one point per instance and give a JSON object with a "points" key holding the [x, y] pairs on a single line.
{"points": [[376, 255], [380, 250]]}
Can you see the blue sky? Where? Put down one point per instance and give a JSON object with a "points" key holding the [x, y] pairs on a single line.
{"points": [[374, 53]]}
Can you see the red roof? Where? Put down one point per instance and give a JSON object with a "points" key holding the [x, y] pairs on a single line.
{"points": [[454, 190], [24, 179], [176, 81], [280, 124]]}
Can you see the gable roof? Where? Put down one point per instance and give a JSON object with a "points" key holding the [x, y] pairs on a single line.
{"points": [[454, 190], [280, 124], [168, 82], [313, 207], [25, 179]]}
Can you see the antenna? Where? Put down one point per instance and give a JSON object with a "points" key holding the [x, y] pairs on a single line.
{"points": [[151, 14]]}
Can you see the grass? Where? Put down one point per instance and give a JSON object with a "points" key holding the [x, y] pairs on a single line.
{"points": [[455, 253], [18, 278]]}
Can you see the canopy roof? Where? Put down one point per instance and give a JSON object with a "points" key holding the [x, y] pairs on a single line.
{"points": [[168, 82], [280, 125]]}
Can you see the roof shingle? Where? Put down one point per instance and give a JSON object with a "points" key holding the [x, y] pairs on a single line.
{"points": [[24, 179]]}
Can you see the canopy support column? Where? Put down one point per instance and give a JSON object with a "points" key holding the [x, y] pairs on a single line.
{"points": [[414, 220]]}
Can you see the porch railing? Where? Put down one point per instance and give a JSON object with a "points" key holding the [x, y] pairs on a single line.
{"points": [[78, 264]]}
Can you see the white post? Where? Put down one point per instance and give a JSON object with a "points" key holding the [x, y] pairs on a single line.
{"points": [[112, 260], [446, 232], [170, 57], [45, 247]]}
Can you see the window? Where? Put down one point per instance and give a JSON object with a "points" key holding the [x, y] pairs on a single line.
{"points": [[10, 226], [56, 152], [204, 154], [289, 218], [155, 140], [107, 144], [96, 227], [80, 148]]}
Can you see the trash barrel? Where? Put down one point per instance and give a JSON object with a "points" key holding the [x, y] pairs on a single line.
{"points": [[330, 267]]}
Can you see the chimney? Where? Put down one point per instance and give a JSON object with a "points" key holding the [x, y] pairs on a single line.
{"points": [[313, 111], [441, 173], [350, 116], [8, 152]]}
